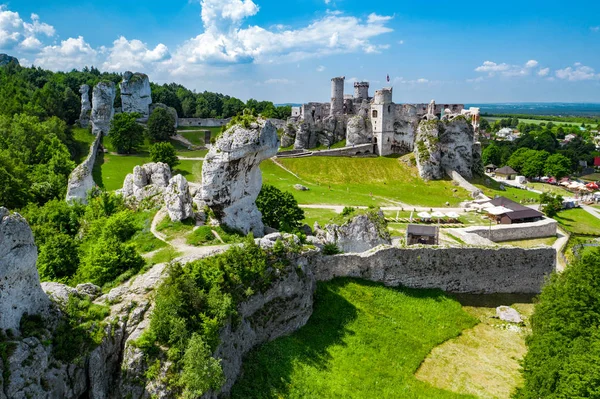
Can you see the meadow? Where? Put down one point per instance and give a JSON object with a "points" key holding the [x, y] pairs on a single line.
{"points": [[363, 340], [578, 221]]}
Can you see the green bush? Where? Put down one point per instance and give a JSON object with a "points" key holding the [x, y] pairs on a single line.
{"points": [[279, 209], [331, 249], [347, 211], [125, 134], [201, 235], [164, 152], [201, 371], [58, 259]]}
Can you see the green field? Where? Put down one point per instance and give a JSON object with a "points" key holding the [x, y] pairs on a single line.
{"points": [[493, 119], [363, 340], [323, 216], [593, 177], [578, 221], [550, 188], [491, 188], [196, 137], [360, 181]]}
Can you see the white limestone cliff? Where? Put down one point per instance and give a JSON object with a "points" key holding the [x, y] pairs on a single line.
{"points": [[103, 98]]}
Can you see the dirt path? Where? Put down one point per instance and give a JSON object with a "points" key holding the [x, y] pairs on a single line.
{"points": [[183, 140], [558, 246], [188, 252], [190, 158]]}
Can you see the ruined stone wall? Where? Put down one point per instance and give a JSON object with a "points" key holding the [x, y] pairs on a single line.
{"points": [[357, 150], [439, 108], [518, 231], [337, 96], [81, 180], [462, 270]]}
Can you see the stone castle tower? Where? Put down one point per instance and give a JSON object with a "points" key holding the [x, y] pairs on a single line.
{"points": [[382, 119], [337, 96], [361, 91]]}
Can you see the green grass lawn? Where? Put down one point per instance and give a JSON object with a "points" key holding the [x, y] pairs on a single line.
{"points": [[351, 181], [550, 188], [578, 221], [195, 137], [363, 340], [84, 139], [491, 188], [493, 119], [593, 177], [323, 216]]}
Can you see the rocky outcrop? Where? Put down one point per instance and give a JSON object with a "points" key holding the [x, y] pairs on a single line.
{"points": [[20, 290], [359, 233], [172, 111], [136, 95], [231, 178], [446, 145], [359, 131], [103, 98], [86, 106], [506, 313], [147, 182], [81, 180], [289, 135], [178, 199], [6, 59]]}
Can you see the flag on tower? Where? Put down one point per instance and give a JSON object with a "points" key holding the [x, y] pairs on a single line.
{"points": [[388, 78]]}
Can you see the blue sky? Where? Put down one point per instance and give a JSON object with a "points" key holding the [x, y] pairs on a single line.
{"points": [[287, 51]]}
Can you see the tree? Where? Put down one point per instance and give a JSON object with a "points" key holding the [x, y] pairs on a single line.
{"points": [[484, 125], [534, 164], [551, 204], [492, 155], [58, 260], [161, 125], [564, 347], [279, 209], [107, 259], [201, 371], [125, 134], [164, 152], [558, 166]]}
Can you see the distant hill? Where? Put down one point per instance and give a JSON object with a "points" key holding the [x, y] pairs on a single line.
{"points": [[554, 109], [290, 104]]}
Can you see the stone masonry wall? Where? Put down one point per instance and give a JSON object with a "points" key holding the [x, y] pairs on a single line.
{"points": [[461, 270], [519, 231]]}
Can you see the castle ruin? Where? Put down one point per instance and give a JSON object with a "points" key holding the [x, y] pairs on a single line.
{"points": [[389, 126]]}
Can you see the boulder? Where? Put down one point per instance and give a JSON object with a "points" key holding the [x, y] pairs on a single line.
{"points": [[90, 290], [506, 313], [147, 182], [59, 293], [136, 95], [300, 187], [359, 233], [231, 178], [103, 98], [86, 106], [20, 290], [178, 199]]}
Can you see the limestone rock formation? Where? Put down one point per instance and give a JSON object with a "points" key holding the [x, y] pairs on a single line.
{"points": [[20, 290], [147, 182], [441, 146], [358, 234], [178, 199], [358, 131], [289, 135], [231, 179], [86, 106], [170, 110], [306, 137], [103, 98], [6, 59], [81, 180], [136, 95]]}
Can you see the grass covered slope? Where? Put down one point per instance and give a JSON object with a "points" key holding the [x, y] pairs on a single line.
{"points": [[578, 221], [351, 181], [363, 341]]}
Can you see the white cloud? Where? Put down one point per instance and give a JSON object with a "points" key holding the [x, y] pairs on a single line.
{"points": [[133, 54], [531, 64], [508, 70], [224, 41], [71, 53], [327, 1], [320, 68], [14, 31], [595, 28], [401, 42], [476, 80], [401, 80], [543, 72], [279, 81], [577, 73]]}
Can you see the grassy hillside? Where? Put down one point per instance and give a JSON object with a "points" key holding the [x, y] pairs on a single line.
{"points": [[360, 181], [363, 341]]}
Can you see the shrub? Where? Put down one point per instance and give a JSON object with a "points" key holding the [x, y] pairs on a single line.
{"points": [[201, 235], [161, 125], [279, 209], [348, 210], [331, 249], [164, 152], [58, 259], [201, 371], [125, 134]]}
